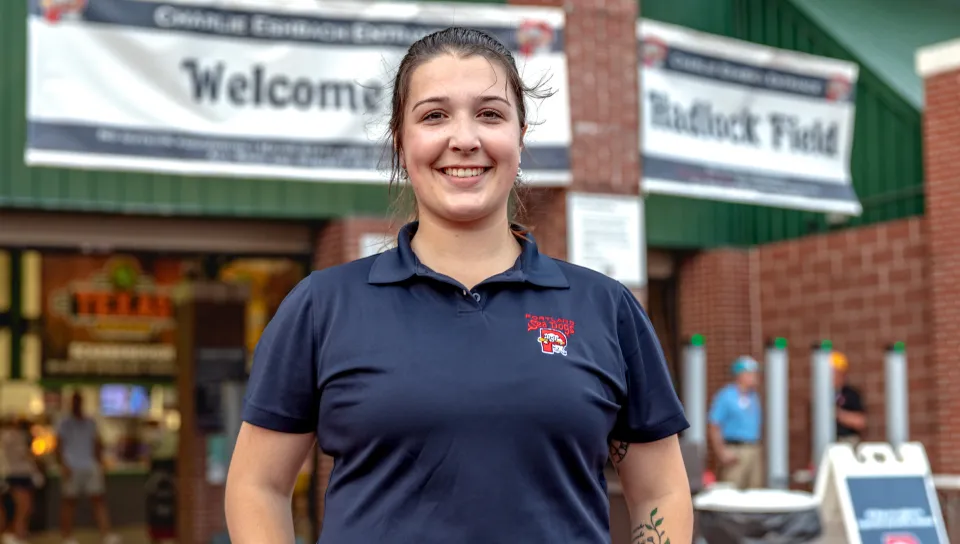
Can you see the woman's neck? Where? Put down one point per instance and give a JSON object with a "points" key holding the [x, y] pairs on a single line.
{"points": [[466, 253]]}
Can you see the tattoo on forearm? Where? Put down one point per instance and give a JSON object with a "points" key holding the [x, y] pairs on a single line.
{"points": [[618, 450], [650, 532]]}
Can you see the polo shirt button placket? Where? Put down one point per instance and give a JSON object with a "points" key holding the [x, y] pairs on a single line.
{"points": [[472, 300]]}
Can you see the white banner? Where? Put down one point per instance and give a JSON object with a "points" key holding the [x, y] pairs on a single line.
{"points": [[729, 120], [257, 88]]}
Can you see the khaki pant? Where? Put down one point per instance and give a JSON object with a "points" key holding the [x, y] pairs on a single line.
{"points": [[747, 471]]}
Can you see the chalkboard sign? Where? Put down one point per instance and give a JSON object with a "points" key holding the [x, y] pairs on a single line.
{"points": [[895, 510]]}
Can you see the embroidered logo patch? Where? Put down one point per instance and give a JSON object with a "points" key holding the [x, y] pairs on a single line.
{"points": [[553, 334]]}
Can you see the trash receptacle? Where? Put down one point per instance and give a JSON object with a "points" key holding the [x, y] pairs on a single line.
{"points": [[729, 516]]}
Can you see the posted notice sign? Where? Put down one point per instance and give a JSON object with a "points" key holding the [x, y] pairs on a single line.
{"points": [[874, 495], [299, 89], [730, 120], [895, 510], [606, 234]]}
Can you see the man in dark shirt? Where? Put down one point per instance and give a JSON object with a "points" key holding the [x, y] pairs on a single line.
{"points": [[851, 416]]}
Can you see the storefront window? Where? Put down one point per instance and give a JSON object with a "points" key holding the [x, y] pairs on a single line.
{"points": [[105, 326]]}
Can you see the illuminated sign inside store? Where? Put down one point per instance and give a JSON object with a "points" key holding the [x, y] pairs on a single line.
{"points": [[117, 301], [107, 304], [110, 316]]}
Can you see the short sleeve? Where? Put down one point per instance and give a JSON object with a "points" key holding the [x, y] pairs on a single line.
{"points": [[282, 393], [651, 410], [718, 408], [854, 403]]}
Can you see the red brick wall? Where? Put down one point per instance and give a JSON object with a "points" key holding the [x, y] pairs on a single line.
{"points": [[941, 131], [339, 241], [714, 300], [863, 289], [544, 212], [601, 47]]}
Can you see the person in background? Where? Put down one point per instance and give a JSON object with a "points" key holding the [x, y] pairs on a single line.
{"points": [[80, 456], [735, 421], [851, 416], [23, 476]]}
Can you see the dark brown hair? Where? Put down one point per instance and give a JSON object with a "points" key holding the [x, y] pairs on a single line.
{"points": [[460, 42]]}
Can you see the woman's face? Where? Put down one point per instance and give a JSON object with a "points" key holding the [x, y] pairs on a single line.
{"points": [[461, 139]]}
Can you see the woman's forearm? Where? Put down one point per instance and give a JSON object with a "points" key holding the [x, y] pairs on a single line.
{"points": [[666, 520], [258, 516]]}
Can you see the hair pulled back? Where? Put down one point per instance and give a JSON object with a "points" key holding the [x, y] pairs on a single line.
{"points": [[462, 43]]}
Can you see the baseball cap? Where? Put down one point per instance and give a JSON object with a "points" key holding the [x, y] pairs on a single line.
{"points": [[839, 361], [745, 363]]}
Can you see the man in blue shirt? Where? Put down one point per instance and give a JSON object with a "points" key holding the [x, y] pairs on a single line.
{"points": [[735, 419]]}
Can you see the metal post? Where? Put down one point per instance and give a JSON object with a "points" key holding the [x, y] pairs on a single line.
{"points": [[231, 402], [778, 422], [695, 391], [824, 400], [897, 386]]}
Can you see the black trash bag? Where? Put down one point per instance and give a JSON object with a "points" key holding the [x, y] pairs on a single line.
{"points": [[726, 527]]}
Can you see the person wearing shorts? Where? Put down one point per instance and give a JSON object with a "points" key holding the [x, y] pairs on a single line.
{"points": [[79, 452], [23, 476]]}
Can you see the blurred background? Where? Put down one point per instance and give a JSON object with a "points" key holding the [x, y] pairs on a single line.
{"points": [[147, 234]]}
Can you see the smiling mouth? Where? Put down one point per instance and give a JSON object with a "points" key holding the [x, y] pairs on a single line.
{"points": [[464, 172]]}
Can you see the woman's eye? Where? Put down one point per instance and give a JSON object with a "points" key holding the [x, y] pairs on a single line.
{"points": [[433, 116], [490, 114]]}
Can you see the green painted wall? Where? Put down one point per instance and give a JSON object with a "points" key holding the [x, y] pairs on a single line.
{"points": [[886, 159]]}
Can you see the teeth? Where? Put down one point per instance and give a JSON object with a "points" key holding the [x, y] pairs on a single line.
{"points": [[463, 172]]}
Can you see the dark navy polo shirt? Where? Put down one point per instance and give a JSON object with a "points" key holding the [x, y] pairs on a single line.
{"points": [[470, 416]]}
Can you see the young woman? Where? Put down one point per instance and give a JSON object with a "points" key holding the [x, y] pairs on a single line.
{"points": [[469, 388]]}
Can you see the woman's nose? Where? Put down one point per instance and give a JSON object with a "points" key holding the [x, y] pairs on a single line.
{"points": [[464, 137]]}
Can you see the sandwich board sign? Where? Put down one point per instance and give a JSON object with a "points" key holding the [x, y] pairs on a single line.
{"points": [[874, 495]]}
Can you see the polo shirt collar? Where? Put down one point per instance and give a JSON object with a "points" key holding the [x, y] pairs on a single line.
{"points": [[400, 263]]}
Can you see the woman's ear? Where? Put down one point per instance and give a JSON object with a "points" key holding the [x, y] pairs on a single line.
{"points": [[523, 133]]}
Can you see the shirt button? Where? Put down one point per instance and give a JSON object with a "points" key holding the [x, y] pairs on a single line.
{"points": [[476, 296]]}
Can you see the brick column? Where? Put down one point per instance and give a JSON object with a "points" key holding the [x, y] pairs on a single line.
{"points": [[338, 241], [940, 67], [714, 295], [209, 315], [601, 48]]}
